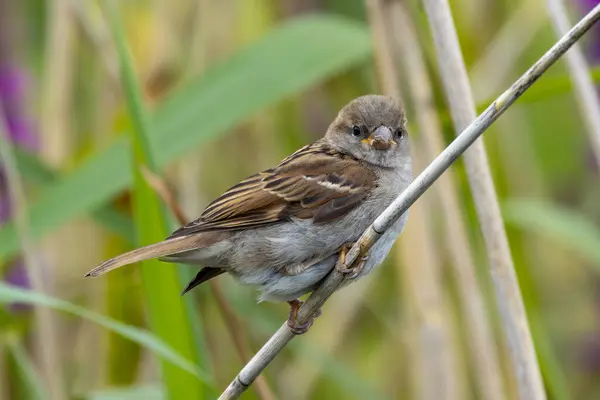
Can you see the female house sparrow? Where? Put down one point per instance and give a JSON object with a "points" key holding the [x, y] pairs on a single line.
{"points": [[282, 229]]}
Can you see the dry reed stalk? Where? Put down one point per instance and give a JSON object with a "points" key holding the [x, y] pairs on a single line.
{"points": [[430, 329], [57, 83], [46, 339], [433, 356], [55, 138], [586, 93], [462, 108], [483, 351]]}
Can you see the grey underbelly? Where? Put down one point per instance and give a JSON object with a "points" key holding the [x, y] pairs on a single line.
{"points": [[257, 257], [274, 287]]}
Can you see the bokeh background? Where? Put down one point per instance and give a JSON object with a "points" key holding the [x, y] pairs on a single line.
{"points": [[222, 89]]}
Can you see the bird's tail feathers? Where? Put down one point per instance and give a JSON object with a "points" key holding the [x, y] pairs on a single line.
{"points": [[164, 248]]}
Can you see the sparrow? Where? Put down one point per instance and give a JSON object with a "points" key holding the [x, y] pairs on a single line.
{"points": [[284, 228]]}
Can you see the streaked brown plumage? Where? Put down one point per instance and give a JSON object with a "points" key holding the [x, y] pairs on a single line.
{"points": [[282, 228], [308, 184]]}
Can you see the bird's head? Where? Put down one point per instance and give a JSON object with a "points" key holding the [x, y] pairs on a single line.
{"points": [[372, 128]]}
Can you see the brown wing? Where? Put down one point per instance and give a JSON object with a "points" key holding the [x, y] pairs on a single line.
{"points": [[315, 182]]}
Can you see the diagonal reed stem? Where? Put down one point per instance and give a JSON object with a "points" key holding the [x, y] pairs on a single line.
{"points": [[462, 108], [421, 183], [435, 359], [483, 351]]}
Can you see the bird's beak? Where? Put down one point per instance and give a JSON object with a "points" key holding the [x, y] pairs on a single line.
{"points": [[381, 138]]}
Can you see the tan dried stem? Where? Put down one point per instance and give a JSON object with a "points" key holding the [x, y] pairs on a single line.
{"points": [[462, 108], [433, 353], [97, 32], [47, 344], [587, 95], [483, 351], [57, 83]]}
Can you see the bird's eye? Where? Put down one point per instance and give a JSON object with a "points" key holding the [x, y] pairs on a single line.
{"points": [[356, 131], [399, 133]]}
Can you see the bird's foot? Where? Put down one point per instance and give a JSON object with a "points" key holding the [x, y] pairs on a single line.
{"points": [[292, 321], [341, 266]]}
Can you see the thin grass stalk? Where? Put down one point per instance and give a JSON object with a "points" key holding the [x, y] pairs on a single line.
{"points": [[433, 347], [400, 205], [462, 108], [483, 351], [579, 70], [232, 322], [523, 173], [46, 340], [5, 370], [518, 160], [55, 137], [57, 83], [122, 358], [32, 381], [99, 35], [433, 358]]}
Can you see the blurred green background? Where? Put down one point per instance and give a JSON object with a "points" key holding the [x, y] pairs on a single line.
{"points": [[206, 93]]}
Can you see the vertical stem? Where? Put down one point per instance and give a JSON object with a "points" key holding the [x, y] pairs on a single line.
{"points": [[481, 341], [458, 92], [435, 358], [56, 84], [54, 121], [45, 333], [587, 96]]}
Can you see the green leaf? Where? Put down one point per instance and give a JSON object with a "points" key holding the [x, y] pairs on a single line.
{"points": [[286, 61], [14, 294], [32, 168], [161, 285], [568, 228], [35, 171]]}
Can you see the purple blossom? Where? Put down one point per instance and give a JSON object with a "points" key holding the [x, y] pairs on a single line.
{"points": [[17, 276], [13, 107], [12, 96]]}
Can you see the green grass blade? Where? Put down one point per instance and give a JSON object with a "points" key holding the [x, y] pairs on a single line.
{"points": [[285, 61], [161, 284], [568, 228], [34, 384], [12, 294]]}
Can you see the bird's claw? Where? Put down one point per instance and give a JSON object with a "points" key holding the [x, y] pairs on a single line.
{"points": [[352, 273], [340, 266], [292, 321]]}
